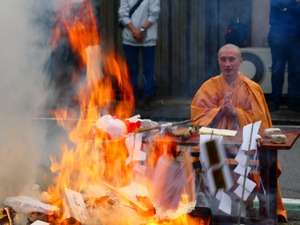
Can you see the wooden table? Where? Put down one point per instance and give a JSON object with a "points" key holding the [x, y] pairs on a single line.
{"points": [[268, 156], [268, 153]]}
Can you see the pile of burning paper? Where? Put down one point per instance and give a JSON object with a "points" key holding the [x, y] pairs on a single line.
{"points": [[146, 184]]}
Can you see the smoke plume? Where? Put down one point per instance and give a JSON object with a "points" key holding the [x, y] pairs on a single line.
{"points": [[23, 94]]}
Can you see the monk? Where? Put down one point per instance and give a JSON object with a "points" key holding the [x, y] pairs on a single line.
{"points": [[231, 101]]}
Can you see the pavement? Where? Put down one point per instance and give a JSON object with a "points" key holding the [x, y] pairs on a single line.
{"points": [[164, 108], [167, 109]]}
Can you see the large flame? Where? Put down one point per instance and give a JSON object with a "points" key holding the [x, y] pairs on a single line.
{"points": [[82, 163], [91, 158]]}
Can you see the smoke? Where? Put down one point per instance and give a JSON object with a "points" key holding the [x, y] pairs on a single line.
{"points": [[23, 94]]}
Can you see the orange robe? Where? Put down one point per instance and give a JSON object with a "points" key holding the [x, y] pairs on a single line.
{"points": [[247, 98]]}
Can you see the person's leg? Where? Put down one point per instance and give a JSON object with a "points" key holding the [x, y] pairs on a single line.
{"points": [[294, 75], [279, 54], [148, 71], [132, 59]]}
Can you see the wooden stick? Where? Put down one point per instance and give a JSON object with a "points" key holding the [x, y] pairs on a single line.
{"points": [[139, 130]]}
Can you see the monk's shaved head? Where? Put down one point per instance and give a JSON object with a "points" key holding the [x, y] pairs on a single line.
{"points": [[231, 47], [229, 59]]}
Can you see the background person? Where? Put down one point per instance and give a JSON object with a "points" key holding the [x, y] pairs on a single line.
{"points": [[231, 101], [140, 33], [284, 41]]}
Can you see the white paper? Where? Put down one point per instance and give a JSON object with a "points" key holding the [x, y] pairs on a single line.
{"points": [[39, 222], [77, 206], [241, 170], [135, 189], [222, 132], [26, 204], [239, 190], [219, 194], [247, 135], [225, 203], [134, 144], [249, 184], [241, 158], [134, 119], [168, 182]]}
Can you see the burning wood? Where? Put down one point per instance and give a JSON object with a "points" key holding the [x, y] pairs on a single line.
{"points": [[5, 216]]}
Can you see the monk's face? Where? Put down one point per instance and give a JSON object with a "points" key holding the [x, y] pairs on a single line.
{"points": [[229, 62]]}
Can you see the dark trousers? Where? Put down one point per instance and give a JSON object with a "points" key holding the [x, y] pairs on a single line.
{"points": [[132, 58], [285, 50]]}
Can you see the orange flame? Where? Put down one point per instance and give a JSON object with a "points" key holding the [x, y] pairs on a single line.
{"points": [[82, 164], [78, 22], [91, 158]]}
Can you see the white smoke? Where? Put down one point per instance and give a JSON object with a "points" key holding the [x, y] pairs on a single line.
{"points": [[22, 95]]}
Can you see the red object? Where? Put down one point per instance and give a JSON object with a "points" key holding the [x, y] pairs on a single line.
{"points": [[132, 126]]}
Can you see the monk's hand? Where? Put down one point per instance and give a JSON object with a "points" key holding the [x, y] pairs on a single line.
{"points": [[227, 106], [231, 110]]}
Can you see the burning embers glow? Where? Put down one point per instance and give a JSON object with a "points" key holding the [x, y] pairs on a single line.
{"points": [[94, 164]]}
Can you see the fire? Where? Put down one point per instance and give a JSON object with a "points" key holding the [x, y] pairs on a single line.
{"points": [[82, 163], [78, 22], [92, 158]]}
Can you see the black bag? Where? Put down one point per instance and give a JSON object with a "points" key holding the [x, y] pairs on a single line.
{"points": [[237, 34], [137, 4], [121, 25]]}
